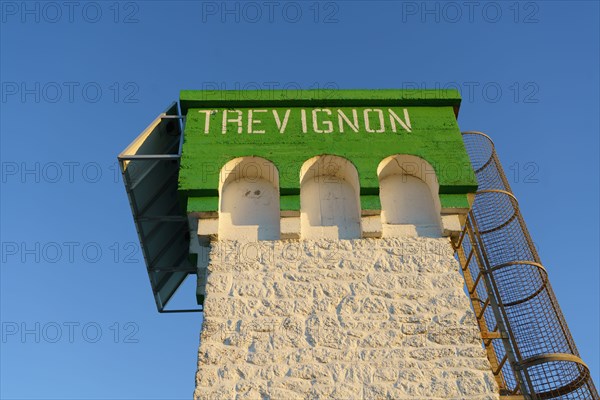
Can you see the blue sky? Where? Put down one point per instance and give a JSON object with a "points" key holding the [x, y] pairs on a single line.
{"points": [[80, 81]]}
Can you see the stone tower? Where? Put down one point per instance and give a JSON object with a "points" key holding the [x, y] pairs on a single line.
{"points": [[322, 229], [324, 248]]}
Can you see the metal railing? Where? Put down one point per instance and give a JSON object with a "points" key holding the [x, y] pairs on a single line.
{"points": [[524, 333]]}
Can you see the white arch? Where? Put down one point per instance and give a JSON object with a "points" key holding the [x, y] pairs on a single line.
{"points": [[249, 200], [329, 199], [410, 203]]}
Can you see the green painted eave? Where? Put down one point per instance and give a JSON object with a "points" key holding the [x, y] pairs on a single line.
{"points": [[319, 97]]}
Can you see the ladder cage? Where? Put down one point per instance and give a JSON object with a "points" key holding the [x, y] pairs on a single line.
{"points": [[524, 333]]}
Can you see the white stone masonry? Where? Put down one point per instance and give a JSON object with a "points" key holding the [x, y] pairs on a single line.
{"points": [[341, 319]]}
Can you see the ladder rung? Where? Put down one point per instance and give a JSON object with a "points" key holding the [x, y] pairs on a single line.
{"points": [[479, 275], [496, 372], [468, 260], [487, 303], [491, 335]]}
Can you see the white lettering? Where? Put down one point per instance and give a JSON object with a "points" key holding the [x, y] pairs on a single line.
{"points": [[342, 117], [303, 119], [328, 124], [318, 120], [394, 118], [368, 123], [281, 125], [207, 114], [252, 121], [226, 121]]}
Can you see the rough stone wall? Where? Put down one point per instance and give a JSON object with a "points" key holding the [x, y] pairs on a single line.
{"points": [[348, 319]]}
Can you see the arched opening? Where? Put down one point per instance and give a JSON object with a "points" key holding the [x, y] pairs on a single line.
{"points": [[329, 199], [408, 190], [249, 200]]}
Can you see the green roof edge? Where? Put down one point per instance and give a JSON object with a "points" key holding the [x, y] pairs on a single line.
{"points": [[319, 97]]}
